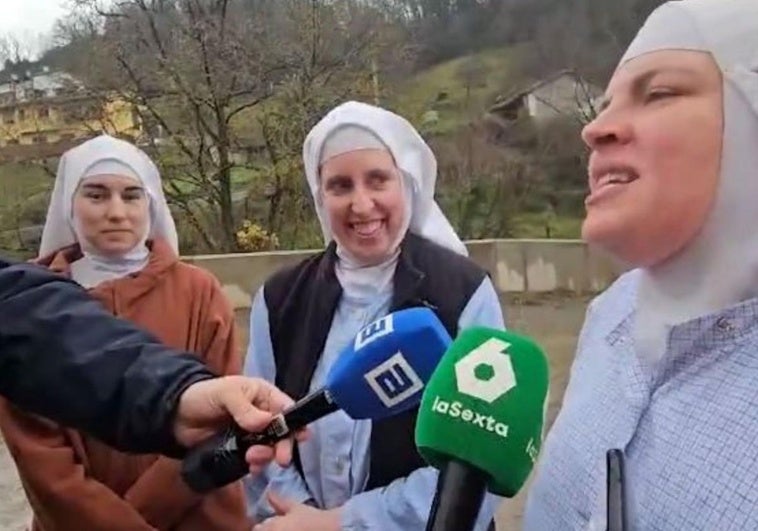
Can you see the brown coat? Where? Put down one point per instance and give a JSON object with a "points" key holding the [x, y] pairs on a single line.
{"points": [[76, 483]]}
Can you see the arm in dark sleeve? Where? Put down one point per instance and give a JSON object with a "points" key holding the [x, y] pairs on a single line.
{"points": [[63, 356]]}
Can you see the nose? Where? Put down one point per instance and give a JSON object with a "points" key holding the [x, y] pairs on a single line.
{"points": [[116, 209], [609, 127], [363, 202]]}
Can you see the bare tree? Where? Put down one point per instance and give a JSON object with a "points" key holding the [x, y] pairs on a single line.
{"points": [[338, 56], [13, 50], [483, 186], [190, 69], [200, 72], [472, 72], [585, 36]]}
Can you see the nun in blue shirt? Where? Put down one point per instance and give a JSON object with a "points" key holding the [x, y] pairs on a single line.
{"points": [[667, 361], [372, 178]]}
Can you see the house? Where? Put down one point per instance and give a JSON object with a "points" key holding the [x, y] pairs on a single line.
{"points": [[562, 94], [43, 113]]}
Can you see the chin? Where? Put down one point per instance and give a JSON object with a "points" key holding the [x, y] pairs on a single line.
{"points": [[604, 234], [592, 230], [369, 254], [618, 242], [115, 249]]}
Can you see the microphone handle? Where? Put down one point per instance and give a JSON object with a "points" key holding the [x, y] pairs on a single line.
{"points": [[220, 460], [458, 498], [299, 415]]}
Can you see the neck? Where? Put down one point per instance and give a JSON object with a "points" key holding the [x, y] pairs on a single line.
{"points": [[360, 279], [95, 267], [349, 260]]}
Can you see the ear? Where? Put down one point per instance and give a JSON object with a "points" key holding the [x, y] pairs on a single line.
{"points": [[319, 198]]}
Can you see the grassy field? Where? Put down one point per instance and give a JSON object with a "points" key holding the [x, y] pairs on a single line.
{"points": [[24, 194], [444, 97], [530, 225], [18, 184]]}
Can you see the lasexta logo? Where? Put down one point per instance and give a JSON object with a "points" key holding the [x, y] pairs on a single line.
{"points": [[373, 331], [457, 410], [394, 380], [486, 372]]}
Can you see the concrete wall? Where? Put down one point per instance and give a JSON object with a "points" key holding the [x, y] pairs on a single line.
{"points": [[525, 266]]}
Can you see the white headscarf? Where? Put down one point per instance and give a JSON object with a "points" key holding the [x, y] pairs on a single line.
{"points": [[354, 125], [412, 155], [719, 268], [99, 156]]}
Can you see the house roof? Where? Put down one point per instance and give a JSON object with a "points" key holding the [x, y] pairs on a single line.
{"points": [[22, 70], [512, 97]]}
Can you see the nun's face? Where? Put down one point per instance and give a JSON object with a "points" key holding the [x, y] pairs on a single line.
{"points": [[112, 213], [362, 195], [655, 156]]}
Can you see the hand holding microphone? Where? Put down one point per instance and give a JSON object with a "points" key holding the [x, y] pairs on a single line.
{"points": [[481, 422], [380, 374]]}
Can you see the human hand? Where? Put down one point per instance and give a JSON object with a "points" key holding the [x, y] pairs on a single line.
{"points": [[294, 516], [208, 406]]}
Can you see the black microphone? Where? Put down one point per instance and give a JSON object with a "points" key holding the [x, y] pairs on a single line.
{"points": [[220, 460], [378, 375], [617, 512], [458, 498]]}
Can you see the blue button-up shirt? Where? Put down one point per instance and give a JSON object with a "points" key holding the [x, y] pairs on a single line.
{"points": [[689, 427], [335, 458]]}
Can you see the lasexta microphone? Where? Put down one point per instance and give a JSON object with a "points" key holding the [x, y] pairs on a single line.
{"points": [[381, 373], [481, 422]]}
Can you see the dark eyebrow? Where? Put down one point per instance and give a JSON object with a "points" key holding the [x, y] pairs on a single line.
{"points": [[379, 172], [644, 78], [93, 186], [103, 188], [336, 178]]}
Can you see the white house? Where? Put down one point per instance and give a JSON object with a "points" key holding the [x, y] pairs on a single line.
{"points": [[562, 94]]}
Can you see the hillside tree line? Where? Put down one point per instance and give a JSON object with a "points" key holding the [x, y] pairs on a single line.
{"points": [[228, 89]]}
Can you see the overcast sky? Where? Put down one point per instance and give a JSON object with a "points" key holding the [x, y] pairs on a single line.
{"points": [[27, 19]]}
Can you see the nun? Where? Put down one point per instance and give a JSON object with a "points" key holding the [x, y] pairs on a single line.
{"points": [[388, 247], [109, 229], [666, 367]]}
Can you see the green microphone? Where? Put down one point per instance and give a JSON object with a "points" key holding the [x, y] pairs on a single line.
{"points": [[481, 422]]}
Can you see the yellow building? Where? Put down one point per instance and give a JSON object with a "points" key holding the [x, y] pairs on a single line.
{"points": [[44, 114]]}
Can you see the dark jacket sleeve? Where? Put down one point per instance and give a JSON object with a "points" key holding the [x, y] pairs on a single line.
{"points": [[63, 356]]}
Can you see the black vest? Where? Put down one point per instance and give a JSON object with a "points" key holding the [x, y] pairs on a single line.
{"points": [[305, 297]]}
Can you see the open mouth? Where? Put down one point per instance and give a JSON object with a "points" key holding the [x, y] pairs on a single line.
{"points": [[616, 177], [606, 182], [367, 229]]}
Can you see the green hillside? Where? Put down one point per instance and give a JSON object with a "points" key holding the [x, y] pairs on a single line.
{"points": [[448, 95]]}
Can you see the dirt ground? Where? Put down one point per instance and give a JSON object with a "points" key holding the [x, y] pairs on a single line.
{"points": [[553, 321]]}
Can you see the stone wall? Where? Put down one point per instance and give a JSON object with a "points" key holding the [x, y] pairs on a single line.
{"points": [[520, 266]]}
